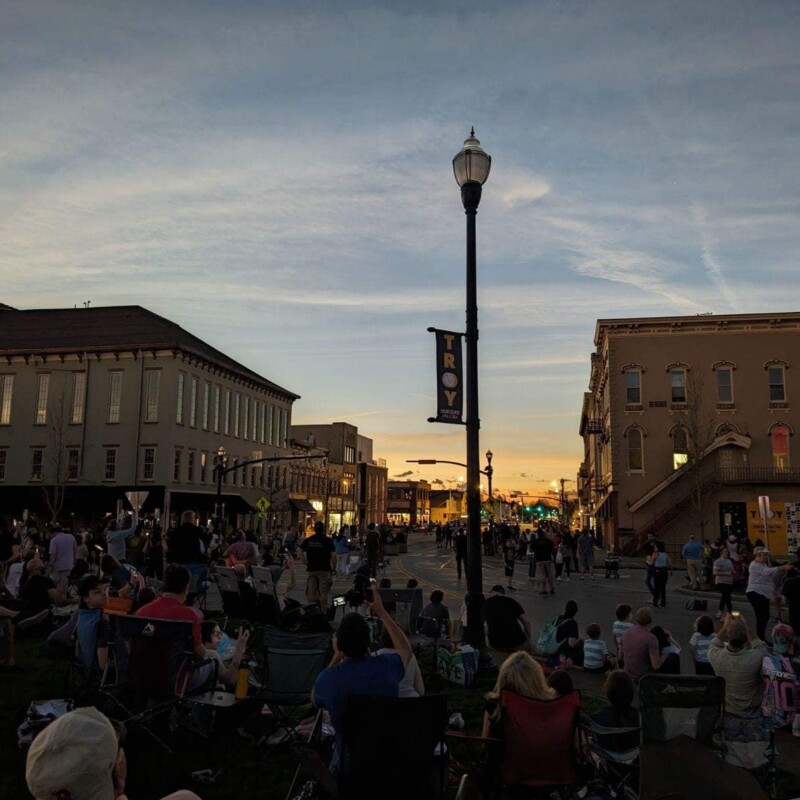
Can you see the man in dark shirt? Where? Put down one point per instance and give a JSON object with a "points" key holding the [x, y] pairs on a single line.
{"points": [[185, 544], [460, 542], [545, 567], [319, 555], [508, 627], [373, 546], [435, 617], [791, 591]]}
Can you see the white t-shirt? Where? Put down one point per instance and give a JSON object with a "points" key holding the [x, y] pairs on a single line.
{"points": [[761, 579], [406, 688]]}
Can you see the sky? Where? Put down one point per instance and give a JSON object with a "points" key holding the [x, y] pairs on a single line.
{"points": [[276, 178]]}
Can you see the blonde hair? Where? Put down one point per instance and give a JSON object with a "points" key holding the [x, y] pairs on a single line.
{"points": [[522, 675]]}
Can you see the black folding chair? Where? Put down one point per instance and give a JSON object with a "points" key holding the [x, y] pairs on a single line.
{"points": [[396, 744], [154, 662], [292, 662], [266, 596]]}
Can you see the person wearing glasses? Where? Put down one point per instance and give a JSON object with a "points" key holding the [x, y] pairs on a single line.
{"points": [[211, 634]]}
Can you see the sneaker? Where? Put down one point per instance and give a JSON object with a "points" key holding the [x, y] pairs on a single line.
{"points": [[558, 578], [567, 578]]}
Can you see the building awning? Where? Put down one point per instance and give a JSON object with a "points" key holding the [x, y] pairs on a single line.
{"points": [[302, 505], [604, 509], [205, 501]]}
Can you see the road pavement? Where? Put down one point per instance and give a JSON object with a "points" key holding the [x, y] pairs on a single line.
{"points": [[436, 569]]}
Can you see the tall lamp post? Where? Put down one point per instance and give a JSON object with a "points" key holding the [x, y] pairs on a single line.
{"points": [[489, 471], [220, 466], [471, 167]]}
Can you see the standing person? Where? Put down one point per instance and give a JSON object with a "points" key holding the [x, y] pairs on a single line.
{"points": [[545, 569], [448, 536], [319, 556], [342, 547], [570, 551], [761, 586], [153, 552], [118, 533], [185, 543], [723, 580], [373, 547], [509, 557], [648, 549], [586, 554], [290, 539], [661, 570], [63, 551], [460, 545], [692, 553], [738, 658]]}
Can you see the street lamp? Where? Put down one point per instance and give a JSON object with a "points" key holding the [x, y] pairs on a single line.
{"points": [[489, 471], [471, 167], [220, 463]]}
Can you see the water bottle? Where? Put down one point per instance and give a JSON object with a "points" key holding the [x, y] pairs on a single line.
{"points": [[242, 681]]}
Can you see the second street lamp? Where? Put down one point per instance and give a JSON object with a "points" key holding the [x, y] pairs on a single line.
{"points": [[471, 167]]}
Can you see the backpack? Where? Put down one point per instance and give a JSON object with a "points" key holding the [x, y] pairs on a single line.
{"points": [[781, 699], [547, 643]]}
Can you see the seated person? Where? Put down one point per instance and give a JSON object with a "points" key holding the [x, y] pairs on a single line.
{"points": [[669, 651], [39, 592], [241, 551], [225, 674], [619, 713], [521, 674], [91, 626], [434, 619], [122, 582], [79, 756], [508, 627], [560, 680], [172, 604], [412, 684], [570, 650], [354, 671], [596, 657]]}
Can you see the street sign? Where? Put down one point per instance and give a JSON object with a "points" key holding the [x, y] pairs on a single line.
{"points": [[263, 504]]}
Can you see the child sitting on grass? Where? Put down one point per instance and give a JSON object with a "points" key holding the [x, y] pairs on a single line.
{"points": [[596, 657], [698, 644], [621, 624]]}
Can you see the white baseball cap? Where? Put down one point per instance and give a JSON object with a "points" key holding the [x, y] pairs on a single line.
{"points": [[74, 754]]}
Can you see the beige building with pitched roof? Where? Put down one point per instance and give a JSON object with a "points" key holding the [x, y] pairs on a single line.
{"points": [[687, 421], [97, 402]]}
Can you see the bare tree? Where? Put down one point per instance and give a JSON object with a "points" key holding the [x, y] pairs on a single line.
{"points": [[695, 431], [56, 458]]}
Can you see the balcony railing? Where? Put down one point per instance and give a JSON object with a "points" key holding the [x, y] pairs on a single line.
{"points": [[758, 475]]}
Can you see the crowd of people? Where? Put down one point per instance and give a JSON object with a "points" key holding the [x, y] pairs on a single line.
{"points": [[52, 569]]}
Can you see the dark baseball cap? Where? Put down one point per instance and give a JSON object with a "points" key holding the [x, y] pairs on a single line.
{"points": [[89, 584]]}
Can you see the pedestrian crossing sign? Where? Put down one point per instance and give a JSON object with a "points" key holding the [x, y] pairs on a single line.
{"points": [[262, 504]]}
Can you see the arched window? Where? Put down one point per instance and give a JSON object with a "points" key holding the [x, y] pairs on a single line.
{"points": [[780, 446], [680, 448], [635, 450]]}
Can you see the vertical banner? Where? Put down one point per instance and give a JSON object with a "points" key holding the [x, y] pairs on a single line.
{"points": [[449, 377]]}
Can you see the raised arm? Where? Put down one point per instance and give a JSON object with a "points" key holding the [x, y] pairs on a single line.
{"points": [[399, 640]]}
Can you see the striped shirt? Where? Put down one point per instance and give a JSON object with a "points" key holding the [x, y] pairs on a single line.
{"points": [[701, 643], [594, 652]]}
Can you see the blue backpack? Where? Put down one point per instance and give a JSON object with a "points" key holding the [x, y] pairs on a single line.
{"points": [[547, 644]]}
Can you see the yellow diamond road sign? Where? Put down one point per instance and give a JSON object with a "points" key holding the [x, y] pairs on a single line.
{"points": [[262, 504]]}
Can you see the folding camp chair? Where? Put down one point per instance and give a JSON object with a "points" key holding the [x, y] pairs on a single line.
{"points": [[616, 765], [198, 587], [681, 718], [154, 663], [238, 597], [267, 597], [538, 754], [292, 662], [393, 747]]}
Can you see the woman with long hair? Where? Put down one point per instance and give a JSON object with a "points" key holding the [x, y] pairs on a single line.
{"points": [[522, 675]]}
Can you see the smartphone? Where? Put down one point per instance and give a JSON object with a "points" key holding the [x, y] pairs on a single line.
{"points": [[736, 613], [338, 601]]}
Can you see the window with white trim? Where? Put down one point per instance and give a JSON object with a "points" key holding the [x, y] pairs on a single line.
{"points": [[206, 403], [217, 406], [176, 464], [73, 463], [110, 466], [114, 395], [227, 428], [149, 464], [677, 379], [680, 447], [246, 417], [635, 450], [237, 411], [203, 462], [193, 402], [179, 407], [78, 397], [633, 387], [777, 383], [42, 393], [3, 462], [152, 384], [780, 446], [6, 394], [724, 384], [190, 459], [37, 460], [255, 420]]}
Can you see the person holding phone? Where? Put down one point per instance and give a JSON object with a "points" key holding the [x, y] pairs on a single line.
{"points": [[761, 587]]}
